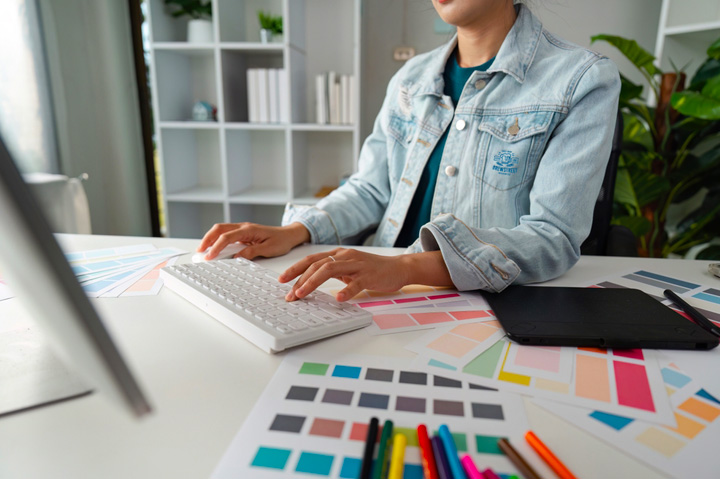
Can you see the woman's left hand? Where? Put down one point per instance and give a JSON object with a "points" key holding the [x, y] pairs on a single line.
{"points": [[358, 270]]}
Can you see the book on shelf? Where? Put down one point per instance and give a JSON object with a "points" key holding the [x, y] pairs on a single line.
{"points": [[267, 90], [334, 98]]}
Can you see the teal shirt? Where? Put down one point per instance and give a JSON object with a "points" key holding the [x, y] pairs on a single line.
{"points": [[419, 212]]}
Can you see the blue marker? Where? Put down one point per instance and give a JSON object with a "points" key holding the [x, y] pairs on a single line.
{"points": [[451, 451]]}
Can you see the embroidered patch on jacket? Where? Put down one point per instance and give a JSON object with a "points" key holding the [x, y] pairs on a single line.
{"points": [[404, 100], [506, 163]]}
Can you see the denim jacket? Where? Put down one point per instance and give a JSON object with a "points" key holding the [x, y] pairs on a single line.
{"points": [[521, 170]]}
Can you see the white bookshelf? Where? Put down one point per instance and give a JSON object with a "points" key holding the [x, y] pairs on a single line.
{"points": [[687, 28], [231, 170]]}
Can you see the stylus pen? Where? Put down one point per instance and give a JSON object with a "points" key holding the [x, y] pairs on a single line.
{"points": [[367, 460], [381, 461], [520, 463], [701, 320]]}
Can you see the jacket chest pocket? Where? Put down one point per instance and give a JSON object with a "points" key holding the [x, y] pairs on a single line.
{"points": [[510, 148]]}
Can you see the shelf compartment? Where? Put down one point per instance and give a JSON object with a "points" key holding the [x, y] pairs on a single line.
{"points": [[183, 79], [263, 214], [165, 27], [192, 220], [320, 160], [235, 64], [192, 166], [688, 47], [686, 13], [238, 20], [261, 196], [256, 161]]}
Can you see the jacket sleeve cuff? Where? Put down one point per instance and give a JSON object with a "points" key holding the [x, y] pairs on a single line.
{"points": [[318, 223], [472, 263]]}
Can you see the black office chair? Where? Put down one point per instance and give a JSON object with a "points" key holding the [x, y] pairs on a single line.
{"points": [[606, 239]]}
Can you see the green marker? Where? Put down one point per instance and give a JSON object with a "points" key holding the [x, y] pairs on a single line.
{"points": [[381, 462]]}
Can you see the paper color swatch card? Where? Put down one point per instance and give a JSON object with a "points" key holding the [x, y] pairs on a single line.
{"points": [[689, 446], [621, 382], [311, 420]]}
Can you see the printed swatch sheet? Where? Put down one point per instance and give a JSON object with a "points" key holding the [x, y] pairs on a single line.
{"points": [[311, 420], [416, 307], [691, 445], [618, 381]]}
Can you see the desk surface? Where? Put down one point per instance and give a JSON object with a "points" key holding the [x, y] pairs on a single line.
{"points": [[203, 379]]}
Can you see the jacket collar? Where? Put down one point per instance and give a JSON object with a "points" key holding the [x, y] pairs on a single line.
{"points": [[514, 58]]}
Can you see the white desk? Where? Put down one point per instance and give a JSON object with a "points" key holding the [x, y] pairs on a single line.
{"points": [[203, 379]]}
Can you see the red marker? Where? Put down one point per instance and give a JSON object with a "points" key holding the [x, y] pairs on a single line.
{"points": [[428, 460]]}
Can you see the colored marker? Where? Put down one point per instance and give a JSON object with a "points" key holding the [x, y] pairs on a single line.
{"points": [[440, 458], [470, 469], [428, 460], [452, 455], [381, 462], [490, 474], [367, 461], [547, 455], [522, 465], [397, 463]]}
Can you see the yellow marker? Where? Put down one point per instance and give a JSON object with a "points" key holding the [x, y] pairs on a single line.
{"points": [[398, 457]]}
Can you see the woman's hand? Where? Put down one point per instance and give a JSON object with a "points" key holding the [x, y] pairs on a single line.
{"points": [[360, 270], [261, 240]]}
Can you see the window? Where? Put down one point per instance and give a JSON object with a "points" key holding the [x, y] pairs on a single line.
{"points": [[26, 118]]}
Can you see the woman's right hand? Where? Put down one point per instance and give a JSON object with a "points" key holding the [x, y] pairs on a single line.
{"points": [[261, 240]]}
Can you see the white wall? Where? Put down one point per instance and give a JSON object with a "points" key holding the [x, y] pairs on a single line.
{"points": [[573, 20]]}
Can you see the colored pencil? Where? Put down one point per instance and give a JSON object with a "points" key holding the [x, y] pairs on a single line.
{"points": [[452, 456], [470, 469], [522, 465], [397, 464], [378, 471], [370, 439], [440, 459], [428, 459], [547, 455]]}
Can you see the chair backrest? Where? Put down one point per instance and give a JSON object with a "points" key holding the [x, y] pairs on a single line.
{"points": [[596, 242]]}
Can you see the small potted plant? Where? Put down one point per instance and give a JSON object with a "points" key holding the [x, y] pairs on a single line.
{"points": [[270, 26], [199, 29]]}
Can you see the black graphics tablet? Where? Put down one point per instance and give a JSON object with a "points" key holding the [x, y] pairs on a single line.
{"points": [[594, 317]]}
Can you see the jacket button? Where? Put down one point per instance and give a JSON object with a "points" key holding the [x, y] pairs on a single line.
{"points": [[450, 170], [460, 125], [480, 84]]}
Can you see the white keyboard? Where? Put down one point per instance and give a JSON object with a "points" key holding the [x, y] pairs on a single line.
{"points": [[248, 299]]}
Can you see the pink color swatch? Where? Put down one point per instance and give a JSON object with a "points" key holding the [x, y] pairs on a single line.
{"points": [[633, 387]]}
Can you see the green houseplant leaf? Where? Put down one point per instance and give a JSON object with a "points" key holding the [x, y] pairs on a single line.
{"points": [[705, 104], [639, 57]]}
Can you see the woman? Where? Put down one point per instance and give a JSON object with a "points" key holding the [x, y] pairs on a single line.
{"points": [[485, 160]]}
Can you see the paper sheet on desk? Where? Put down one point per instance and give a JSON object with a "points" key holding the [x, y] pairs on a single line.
{"points": [[312, 418], [625, 382], [418, 307], [704, 365], [687, 450]]}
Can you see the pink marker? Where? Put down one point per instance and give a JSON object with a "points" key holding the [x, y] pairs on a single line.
{"points": [[470, 468], [490, 474]]}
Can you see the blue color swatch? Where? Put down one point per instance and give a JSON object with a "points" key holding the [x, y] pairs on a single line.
{"points": [[704, 394], [615, 422], [352, 372], [674, 378], [667, 279], [350, 468], [707, 297], [271, 458], [313, 463]]}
